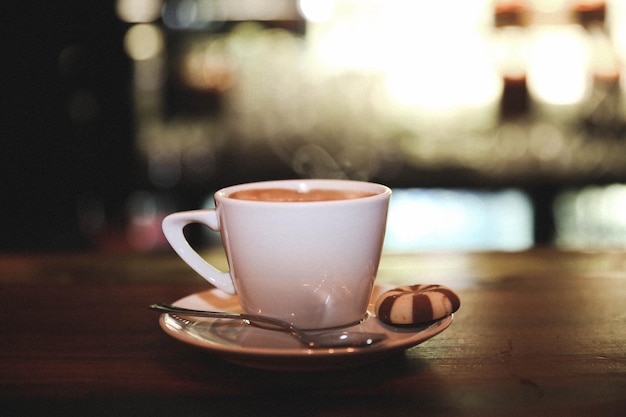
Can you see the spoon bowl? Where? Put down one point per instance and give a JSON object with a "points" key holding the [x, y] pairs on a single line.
{"points": [[310, 338]]}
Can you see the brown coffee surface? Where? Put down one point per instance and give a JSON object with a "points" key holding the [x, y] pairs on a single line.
{"points": [[288, 195]]}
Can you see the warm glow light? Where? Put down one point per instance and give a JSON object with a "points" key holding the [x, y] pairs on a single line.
{"points": [[616, 21], [138, 11], [316, 10], [438, 81], [428, 57], [355, 36], [558, 65], [548, 6], [143, 41], [205, 71]]}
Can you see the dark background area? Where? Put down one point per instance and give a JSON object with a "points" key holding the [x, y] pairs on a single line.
{"points": [[66, 120]]}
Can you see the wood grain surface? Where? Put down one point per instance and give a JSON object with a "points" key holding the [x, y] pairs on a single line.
{"points": [[540, 332]]}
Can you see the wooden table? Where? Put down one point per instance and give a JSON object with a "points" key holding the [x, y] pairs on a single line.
{"points": [[541, 332]]}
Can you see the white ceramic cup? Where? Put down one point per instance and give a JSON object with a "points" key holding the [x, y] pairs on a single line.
{"points": [[312, 264]]}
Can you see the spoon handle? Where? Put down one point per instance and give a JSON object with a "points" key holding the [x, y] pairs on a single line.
{"points": [[168, 308]]}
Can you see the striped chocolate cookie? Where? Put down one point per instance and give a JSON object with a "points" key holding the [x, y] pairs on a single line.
{"points": [[416, 304]]}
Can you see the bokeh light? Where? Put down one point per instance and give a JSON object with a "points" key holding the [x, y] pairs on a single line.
{"points": [[592, 217], [143, 41], [558, 65], [459, 220], [138, 11], [316, 10]]}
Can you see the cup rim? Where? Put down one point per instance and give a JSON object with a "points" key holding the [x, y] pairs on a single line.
{"points": [[382, 191]]}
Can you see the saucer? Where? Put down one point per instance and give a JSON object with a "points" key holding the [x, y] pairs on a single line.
{"points": [[243, 344]]}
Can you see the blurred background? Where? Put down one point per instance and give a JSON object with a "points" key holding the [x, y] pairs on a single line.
{"points": [[500, 125]]}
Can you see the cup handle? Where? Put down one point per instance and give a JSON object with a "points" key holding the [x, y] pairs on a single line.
{"points": [[173, 226]]}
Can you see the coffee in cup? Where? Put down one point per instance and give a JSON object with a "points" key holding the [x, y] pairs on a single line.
{"points": [[289, 195]]}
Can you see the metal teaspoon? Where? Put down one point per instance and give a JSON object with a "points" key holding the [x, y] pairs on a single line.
{"points": [[310, 338]]}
